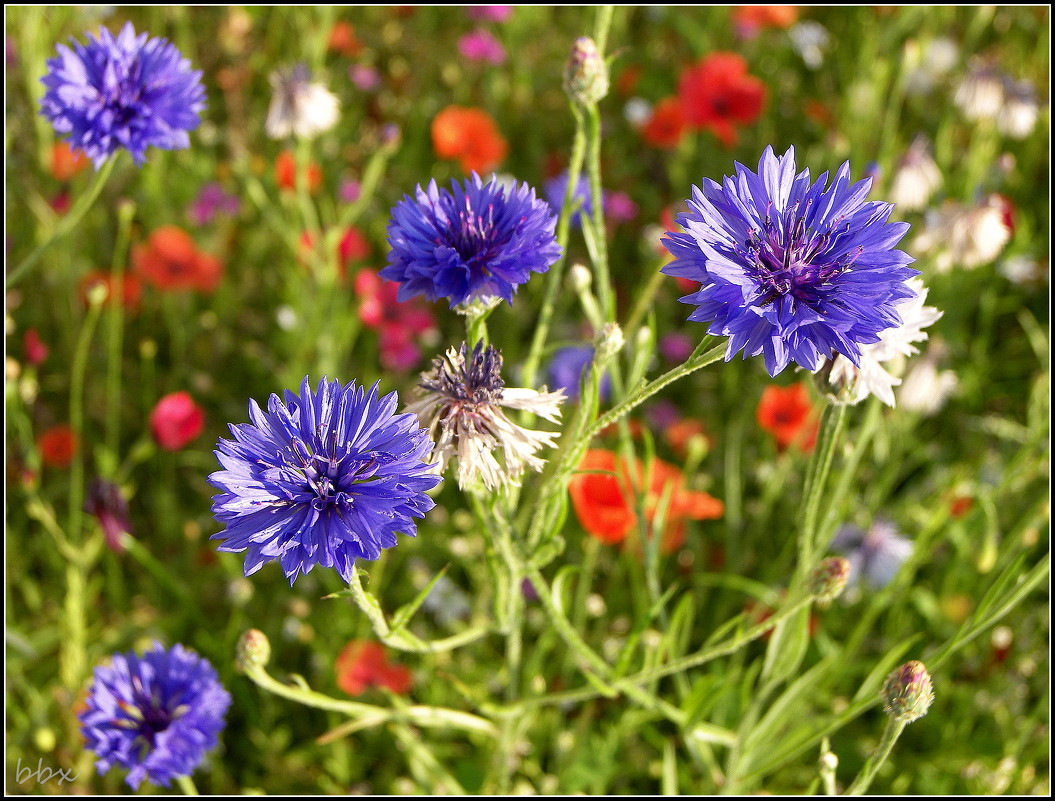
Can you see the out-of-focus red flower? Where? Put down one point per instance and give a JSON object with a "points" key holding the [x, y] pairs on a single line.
{"points": [[363, 664], [749, 20], [36, 350], [607, 513], [469, 135], [57, 446], [342, 40], [961, 505], [681, 433], [818, 111], [176, 420], [131, 288], [666, 126], [66, 162], [170, 260], [628, 78], [286, 172], [353, 247], [786, 413], [759, 613], [60, 204], [107, 503], [400, 325], [718, 95]]}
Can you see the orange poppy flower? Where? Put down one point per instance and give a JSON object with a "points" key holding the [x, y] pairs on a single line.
{"points": [[606, 512], [66, 162], [469, 135], [171, 260], [286, 172], [666, 125], [363, 664], [749, 20], [786, 413], [717, 94], [342, 40], [57, 446]]}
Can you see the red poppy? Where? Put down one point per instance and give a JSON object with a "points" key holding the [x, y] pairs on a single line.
{"points": [[57, 446], [286, 172], [666, 126], [749, 20], [363, 664], [786, 413], [36, 350], [469, 135], [961, 505], [342, 40], [176, 421], [66, 162], [682, 432], [171, 261], [131, 287], [607, 513], [400, 325], [717, 94]]}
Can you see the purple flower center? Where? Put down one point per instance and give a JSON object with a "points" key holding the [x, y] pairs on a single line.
{"points": [[477, 239], [330, 476], [476, 382]]}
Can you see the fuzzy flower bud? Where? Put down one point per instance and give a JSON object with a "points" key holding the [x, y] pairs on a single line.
{"points": [[254, 651], [585, 74], [579, 277], [908, 692], [829, 578], [610, 342]]}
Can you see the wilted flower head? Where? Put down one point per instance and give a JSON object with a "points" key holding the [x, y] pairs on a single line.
{"points": [[128, 92], [894, 346], [107, 503], [1019, 111], [965, 236], [299, 107], [981, 92], [324, 478], [793, 270], [875, 555], [156, 714], [917, 177], [461, 399], [475, 242]]}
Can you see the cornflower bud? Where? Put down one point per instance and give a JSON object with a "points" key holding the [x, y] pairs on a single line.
{"points": [[254, 650], [828, 579], [585, 73], [908, 692]]}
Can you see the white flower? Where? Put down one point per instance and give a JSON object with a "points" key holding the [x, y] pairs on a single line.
{"points": [[1022, 270], [810, 39], [1019, 112], [965, 236], [460, 401], [298, 107], [637, 112], [895, 345], [981, 92], [925, 388], [917, 178], [927, 65]]}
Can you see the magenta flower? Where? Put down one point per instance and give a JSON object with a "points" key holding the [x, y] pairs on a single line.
{"points": [[490, 13], [480, 45]]}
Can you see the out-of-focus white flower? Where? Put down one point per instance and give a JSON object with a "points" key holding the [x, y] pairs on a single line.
{"points": [[299, 107], [1022, 270], [637, 111], [810, 39], [965, 236], [1020, 109], [928, 63], [460, 402], [895, 345], [980, 94], [917, 177], [926, 389]]}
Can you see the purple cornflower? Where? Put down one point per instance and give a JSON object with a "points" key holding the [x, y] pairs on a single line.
{"points": [[567, 367], [557, 187], [875, 556], [127, 92], [793, 270], [156, 714], [324, 478], [481, 45], [212, 200], [477, 241]]}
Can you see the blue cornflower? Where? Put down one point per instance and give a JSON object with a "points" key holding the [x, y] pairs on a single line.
{"points": [[324, 478], [557, 187], [156, 714], [126, 92], [875, 555], [793, 270], [567, 366], [477, 241]]}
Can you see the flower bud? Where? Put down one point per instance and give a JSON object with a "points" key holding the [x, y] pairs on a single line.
{"points": [[828, 579], [585, 74], [908, 692], [254, 651], [579, 277], [610, 342]]}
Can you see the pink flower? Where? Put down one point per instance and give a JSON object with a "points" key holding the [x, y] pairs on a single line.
{"points": [[490, 13], [399, 325], [364, 77], [36, 350], [619, 207], [480, 45], [176, 421]]}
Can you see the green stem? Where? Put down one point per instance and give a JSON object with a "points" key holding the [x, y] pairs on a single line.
{"points": [[186, 784], [875, 762], [67, 223], [602, 26], [116, 307], [816, 479], [599, 251]]}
